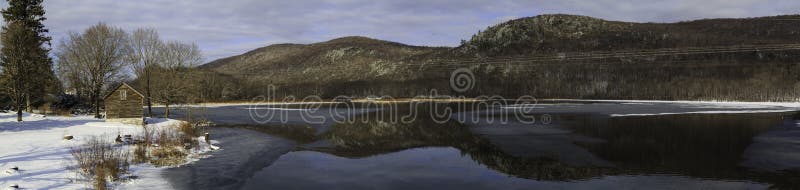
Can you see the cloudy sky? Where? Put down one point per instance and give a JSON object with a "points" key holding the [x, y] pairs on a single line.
{"points": [[229, 27]]}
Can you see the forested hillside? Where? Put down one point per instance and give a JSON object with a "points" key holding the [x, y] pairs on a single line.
{"points": [[547, 56]]}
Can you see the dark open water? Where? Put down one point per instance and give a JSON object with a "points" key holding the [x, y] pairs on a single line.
{"points": [[569, 146]]}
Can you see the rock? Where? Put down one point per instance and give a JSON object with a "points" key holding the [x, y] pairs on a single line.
{"points": [[68, 137], [118, 139], [128, 139], [14, 186], [12, 170]]}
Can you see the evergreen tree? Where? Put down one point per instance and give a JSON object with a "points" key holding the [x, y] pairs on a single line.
{"points": [[30, 14], [19, 50]]}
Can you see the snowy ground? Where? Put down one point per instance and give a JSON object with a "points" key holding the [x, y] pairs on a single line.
{"points": [[710, 103], [37, 148], [622, 108], [215, 105]]}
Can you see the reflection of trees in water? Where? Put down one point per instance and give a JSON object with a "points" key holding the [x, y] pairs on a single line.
{"points": [[299, 133], [702, 145], [360, 139], [691, 143], [531, 168], [698, 145]]}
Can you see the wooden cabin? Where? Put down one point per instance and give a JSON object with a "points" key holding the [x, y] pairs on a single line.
{"points": [[124, 104]]}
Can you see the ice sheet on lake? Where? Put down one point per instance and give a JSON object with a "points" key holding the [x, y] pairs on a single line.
{"points": [[706, 112], [775, 150]]}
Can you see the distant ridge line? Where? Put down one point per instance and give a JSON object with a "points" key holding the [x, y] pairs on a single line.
{"points": [[623, 54]]}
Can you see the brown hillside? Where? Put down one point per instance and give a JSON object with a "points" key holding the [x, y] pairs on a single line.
{"points": [[537, 56]]}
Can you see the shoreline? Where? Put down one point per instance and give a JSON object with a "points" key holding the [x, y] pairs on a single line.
{"points": [[36, 146], [222, 104]]}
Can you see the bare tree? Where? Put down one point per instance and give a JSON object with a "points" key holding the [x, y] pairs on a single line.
{"points": [[20, 52], [174, 73], [70, 75], [145, 54], [96, 57]]}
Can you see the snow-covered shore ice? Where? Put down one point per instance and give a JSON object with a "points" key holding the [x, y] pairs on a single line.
{"points": [[37, 148], [623, 108]]}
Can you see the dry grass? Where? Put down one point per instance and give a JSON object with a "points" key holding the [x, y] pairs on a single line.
{"points": [[167, 156], [140, 154], [189, 129], [167, 146], [140, 151], [100, 162], [99, 181], [168, 152]]}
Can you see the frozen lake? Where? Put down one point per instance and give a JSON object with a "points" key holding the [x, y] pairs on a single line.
{"points": [[567, 145]]}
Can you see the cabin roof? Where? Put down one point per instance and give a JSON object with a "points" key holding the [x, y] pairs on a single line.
{"points": [[116, 88]]}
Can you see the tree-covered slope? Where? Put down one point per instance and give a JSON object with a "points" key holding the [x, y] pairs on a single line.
{"points": [[546, 56]]}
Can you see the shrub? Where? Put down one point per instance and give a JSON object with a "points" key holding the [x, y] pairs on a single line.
{"points": [[189, 129], [165, 147], [100, 182], [98, 161], [167, 156], [101, 163], [140, 153]]}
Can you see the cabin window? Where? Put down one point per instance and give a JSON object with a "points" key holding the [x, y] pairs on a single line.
{"points": [[123, 94]]}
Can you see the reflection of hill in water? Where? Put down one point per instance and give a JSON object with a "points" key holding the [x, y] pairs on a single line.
{"points": [[692, 144], [361, 139], [698, 145], [703, 146]]}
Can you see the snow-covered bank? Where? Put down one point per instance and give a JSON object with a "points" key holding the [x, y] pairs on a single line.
{"points": [[622, 108], [215, 105], [280, 109], [37, 148], [706, 112], [716, 104]]}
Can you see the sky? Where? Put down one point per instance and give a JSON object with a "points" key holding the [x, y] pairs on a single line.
{"points": [[225, 28]]}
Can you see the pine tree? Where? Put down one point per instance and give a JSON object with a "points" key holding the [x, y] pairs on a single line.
{"points": [[20, 48], [30, 14]]}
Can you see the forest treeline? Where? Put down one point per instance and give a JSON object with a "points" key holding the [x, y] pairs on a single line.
{"points": [[547, 56], [736, 76]]}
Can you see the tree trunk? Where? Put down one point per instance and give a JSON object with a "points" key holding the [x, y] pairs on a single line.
{"points": [[166, 109], [28, 107], [19, 112], [97, 105], [147, 91]]}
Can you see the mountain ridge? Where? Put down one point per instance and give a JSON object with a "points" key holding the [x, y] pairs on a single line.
{"points": [[362, 66]]}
